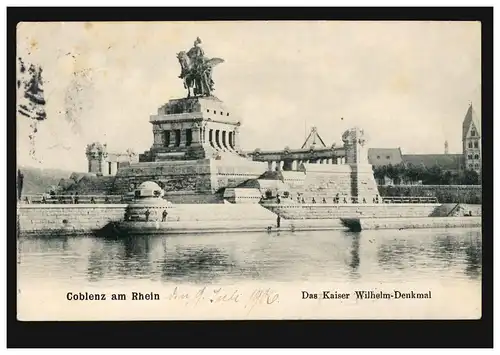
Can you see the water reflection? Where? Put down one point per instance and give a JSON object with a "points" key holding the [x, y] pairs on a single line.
{"points": [[292, 256], [433, 252], [397, 254], [195, 265], [474, 258], [354, 261]]}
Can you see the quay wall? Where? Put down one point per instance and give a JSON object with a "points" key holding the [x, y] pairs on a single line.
{"points": [[84, 218], [414, 223], [328, 211], [77, 218], [444, 193]]}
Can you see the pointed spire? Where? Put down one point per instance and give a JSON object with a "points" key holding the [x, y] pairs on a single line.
{"points": [[471, 118]]}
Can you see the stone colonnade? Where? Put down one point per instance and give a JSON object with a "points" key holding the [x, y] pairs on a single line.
{"points": [[219, 139], [107, 168], [288, 164]]}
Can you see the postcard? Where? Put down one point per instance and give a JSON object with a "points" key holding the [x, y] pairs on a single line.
{"points": [[223, 170]]}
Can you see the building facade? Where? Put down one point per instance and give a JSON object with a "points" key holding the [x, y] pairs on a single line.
{"points": [[469, 159], [104, 163], [471, 141]]}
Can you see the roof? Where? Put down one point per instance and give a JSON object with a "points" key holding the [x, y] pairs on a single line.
{"points": [[314, 140], [445, 161], [471, 117], [384, 156]]}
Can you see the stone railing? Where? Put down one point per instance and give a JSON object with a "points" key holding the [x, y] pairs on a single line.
{"points": [[329, 198], [71, 199]]}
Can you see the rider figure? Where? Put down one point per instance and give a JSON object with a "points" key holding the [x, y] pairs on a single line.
{"points": [[197, 57]]}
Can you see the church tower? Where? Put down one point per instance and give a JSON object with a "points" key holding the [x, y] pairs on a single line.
{"points": [[471, 140], [446, 147]]}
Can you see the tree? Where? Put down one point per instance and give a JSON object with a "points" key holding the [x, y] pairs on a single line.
{"points": [[469, 177], [434, 175], [379, 172], [30, 98], [394, 172]]}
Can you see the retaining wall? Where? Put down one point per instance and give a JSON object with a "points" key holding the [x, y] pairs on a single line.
{"points": [[414, 223], [444, 193], [62, 217], [328, 211], [84, 218]]}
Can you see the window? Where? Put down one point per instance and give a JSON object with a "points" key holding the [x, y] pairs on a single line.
{"points": [[224, 145], [378, 156], [470, 144], [476, 156], [469, 156], [189, 137], [217, 138], [221, 113], [476, 144], [211, 137], [177, 137], [388, 157], [473, 133], [166, 138], [215, 112], [470, 166], [208, 110], [477, 166]]}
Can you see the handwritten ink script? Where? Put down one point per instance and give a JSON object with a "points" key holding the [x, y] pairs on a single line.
{"points": [[219, 295]]}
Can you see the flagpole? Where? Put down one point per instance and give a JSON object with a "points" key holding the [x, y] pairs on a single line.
{"points": [[305, 129]]}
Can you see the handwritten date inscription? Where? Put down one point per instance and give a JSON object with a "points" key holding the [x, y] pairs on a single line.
{"points": [[247, 299]]}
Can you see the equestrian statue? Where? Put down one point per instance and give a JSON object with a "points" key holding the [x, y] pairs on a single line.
{"points": [[196, 70]]}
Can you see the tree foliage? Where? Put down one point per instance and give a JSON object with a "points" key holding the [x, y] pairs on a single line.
{"points": [[435, 175]]}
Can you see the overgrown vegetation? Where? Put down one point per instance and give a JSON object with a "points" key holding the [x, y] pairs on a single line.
{"points": [[407, 174]]}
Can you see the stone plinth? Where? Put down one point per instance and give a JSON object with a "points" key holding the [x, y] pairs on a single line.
{"points": [[191, 181], [193, 128]]}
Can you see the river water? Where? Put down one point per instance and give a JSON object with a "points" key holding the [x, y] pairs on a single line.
{"points": [[441, 260]]}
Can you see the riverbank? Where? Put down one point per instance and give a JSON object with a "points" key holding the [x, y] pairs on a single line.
{"points": [[358, 224], [107, 219]]}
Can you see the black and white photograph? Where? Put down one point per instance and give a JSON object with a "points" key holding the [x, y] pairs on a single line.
{"points": [[249, 170]]}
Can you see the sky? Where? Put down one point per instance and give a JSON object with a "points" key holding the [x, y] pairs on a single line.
{"points": [[407, 84]]}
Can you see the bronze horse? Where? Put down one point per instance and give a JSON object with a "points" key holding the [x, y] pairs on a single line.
{"points": [[197, 78]]}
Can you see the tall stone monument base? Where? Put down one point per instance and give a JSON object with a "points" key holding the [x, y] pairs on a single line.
{"points": [[193, 128], [192, 181], [195, 153]]}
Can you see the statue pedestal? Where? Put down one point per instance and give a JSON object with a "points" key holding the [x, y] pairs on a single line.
{"points": [[193, 128], [195, 154]]}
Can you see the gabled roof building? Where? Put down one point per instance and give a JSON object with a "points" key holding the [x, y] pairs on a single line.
{"points": [[470, 159]]}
